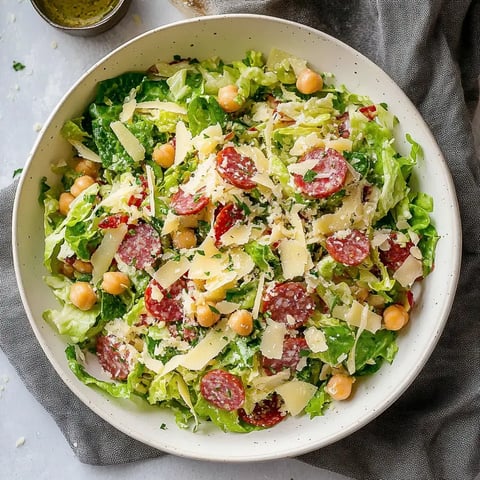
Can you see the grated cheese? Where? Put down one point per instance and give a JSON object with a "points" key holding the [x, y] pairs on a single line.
{"points": [[409, 271], [271, 345], [129, 141], [183, 142], [171, 271], [103, 255], [296, 395]]}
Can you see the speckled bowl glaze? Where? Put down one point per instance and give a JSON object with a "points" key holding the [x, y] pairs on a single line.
{"points": [[229, 37]]}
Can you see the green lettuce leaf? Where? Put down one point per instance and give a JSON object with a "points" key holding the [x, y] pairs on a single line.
{"points": [[115, 90], [372, 349], [262, 255], [204, 112], [118, 390], [227, 421], [318, 403]]}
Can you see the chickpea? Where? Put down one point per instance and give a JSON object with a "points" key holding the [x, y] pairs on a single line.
{"points": [[64, 203], [395, 317], [115, 283], [164, 155], [184, 238], [87, 167], [82, 295], [241, 322], [339, 387], [82, 267], [227, 98], [206, 315], [80, 184], [309, 81]]}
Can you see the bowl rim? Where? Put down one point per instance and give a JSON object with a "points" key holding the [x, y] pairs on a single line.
{"points": [[353, 426]]}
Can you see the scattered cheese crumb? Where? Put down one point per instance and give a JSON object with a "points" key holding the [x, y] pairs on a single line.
{"points": [[37, 127], [12, 18], [20, 442], [54, 44], [5, 378]]}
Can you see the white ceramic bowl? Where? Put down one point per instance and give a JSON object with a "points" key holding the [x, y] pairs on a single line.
{"points": [[229, 37]]}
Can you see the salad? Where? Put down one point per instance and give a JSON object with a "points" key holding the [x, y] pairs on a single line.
{"points": [[236, 242]]}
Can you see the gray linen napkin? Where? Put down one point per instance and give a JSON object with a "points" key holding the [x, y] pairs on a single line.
{"points": [[432, 50]]}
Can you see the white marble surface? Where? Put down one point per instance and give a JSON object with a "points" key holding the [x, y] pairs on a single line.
{"points": [[53, 61]]}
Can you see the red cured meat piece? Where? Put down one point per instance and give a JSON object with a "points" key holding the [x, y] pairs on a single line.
{"points": [[227, 217], [141, 246], [266, 413], [236, 169], [344, 125], [292, 347], [370, 111], [331, 171], [289, 303], [182, 331], [113, 221], [396, 254], [187, 204], [137, 199], [170, 307], [351, 249], [223, 390], [113, 355]]}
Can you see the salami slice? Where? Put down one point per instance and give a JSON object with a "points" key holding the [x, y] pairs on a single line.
{"points": [[236, 169], [292, 346], [113, 355], [165, 305], [350, 249], [183, 203], [141, 246], [113, 221], [328, 175], [227, 217], [266, 413], [223, 390], [289, 303], [397, 252]]}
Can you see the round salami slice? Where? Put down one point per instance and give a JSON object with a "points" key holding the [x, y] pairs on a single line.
{"points": [[113, 356], [140, 247], [227, 217], [291, 355], [289, 303], [183, 203], [328, 175], [397, 252], [223, 390], [165, 305], [266, 413], [236, 169], [350, 249]]}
